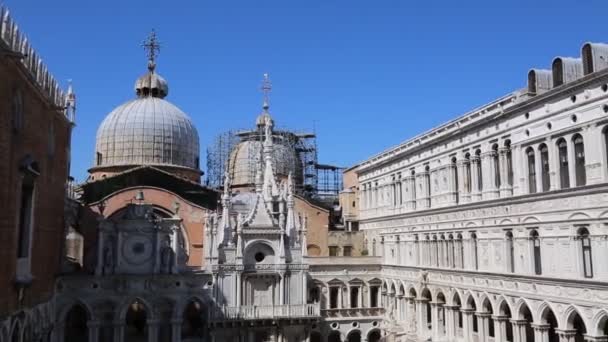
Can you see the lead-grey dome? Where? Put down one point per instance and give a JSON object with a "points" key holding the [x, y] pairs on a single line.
{"points": [[148, 130]]}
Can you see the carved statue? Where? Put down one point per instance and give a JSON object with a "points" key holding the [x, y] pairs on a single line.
{"points": [[108, 257], [166, 256]]}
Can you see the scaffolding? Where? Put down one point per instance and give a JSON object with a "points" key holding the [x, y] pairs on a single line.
{"points": [[294, 152]]}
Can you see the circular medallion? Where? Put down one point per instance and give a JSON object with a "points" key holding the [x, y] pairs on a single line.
{"points": [[137, 249]]}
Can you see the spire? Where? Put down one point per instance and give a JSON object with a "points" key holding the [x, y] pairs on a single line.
{"points": [[70, 103], [152, 47], [266, 88]]}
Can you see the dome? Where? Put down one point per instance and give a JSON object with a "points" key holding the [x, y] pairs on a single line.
{"points": [[148, 130], [245, 157]]}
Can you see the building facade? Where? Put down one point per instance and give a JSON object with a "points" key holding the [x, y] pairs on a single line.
{"points": [[492, 227]]}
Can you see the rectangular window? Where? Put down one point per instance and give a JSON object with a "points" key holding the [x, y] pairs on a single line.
{"points": [[333, 250], [25, 220], [373, 296], [354, 297], [587, 263], [347, 250], [333, 297]]}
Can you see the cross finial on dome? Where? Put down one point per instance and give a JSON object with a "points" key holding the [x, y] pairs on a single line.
{"points": [[152, 47]]}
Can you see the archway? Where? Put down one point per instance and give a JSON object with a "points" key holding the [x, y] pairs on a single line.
{"points": [[76, 329], [334, 336], [426, 314], [472, 307], [192, 321], [576, 323], [136, 323], [16, 333], [373, 336], [458, 319], [354, 336], [487, 319], [548, 317], [441, 316], [526, 315], [504, 314]]}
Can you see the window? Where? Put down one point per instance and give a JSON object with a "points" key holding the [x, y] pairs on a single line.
{"points": [[583, 236], [373, 296], [479, 171], [579, 160], [544, 162], [460, 250], [531, 171], [534, 238], [99, 158], [347, 250], [509, 162], [475, 254], [564, 173], [467, 173], [427, 184], [455, 178], [354, 297], [26, 207], [333, 250], [334, 293], [496, 164], [510, 252]]}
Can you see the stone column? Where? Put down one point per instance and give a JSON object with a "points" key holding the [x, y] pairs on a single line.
{"points": [[176, 330], [152, 330], [435, 321], [119, 331], [490, 191], [421, 317], [566, 335], [483, 325], [500, 328], [450, 321], [467, 324], [519, 330], [93, 327], [475, 181], [464, 196], [538, 169], [541, 332], [554, 183], [506, 189]]}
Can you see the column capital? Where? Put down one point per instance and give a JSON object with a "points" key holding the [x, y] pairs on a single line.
{"points": [[566, 333], [467, 312], [500, 318], [483, 314], [421, 300], [518, 322], [540, 327]]}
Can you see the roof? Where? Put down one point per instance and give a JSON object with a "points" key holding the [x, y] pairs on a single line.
{"points": [[154, 177]]}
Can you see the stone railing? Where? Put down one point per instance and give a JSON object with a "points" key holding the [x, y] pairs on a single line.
{"points": [[265, 312], [352, 312]]}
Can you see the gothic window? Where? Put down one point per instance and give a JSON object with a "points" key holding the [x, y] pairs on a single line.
{"points": [[460, 250], [583, 236], [475, 252], [544, 162], [534, 238], [495, 163], [26, 209], [509, 161], [531, 170], [579, 160], [455, 178], [467, 173], [564, 173], [510, 252], [479, 171]]}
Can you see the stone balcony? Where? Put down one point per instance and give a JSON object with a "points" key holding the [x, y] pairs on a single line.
{"points": [[254, 312], [331, 314]]}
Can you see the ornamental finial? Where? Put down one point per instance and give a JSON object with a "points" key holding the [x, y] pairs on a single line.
{"points": [[266, 89], [152, 47]]}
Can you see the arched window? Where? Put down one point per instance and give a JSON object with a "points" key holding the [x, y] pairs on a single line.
{"points": [[509, 161], [544, 162], [455, 178], [510, 252], [475, 253], [495, 163], [427, 184], [460, 250], [413, 189], [564, 173], [479, 171], [451, 251], [531, 170], [535, 240], [467, 173], [435, 250], [579, 160], [605, 133], [583, 235]]}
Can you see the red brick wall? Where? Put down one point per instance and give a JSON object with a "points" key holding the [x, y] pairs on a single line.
{"points": [[48, 226], [192, 215]]}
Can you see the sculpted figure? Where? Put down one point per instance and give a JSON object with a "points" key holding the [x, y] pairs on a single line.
{"points": [[167, 256], [108, 258]]}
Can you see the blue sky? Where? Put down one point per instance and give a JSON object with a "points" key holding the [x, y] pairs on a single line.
{"points": [[366, 74]]}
